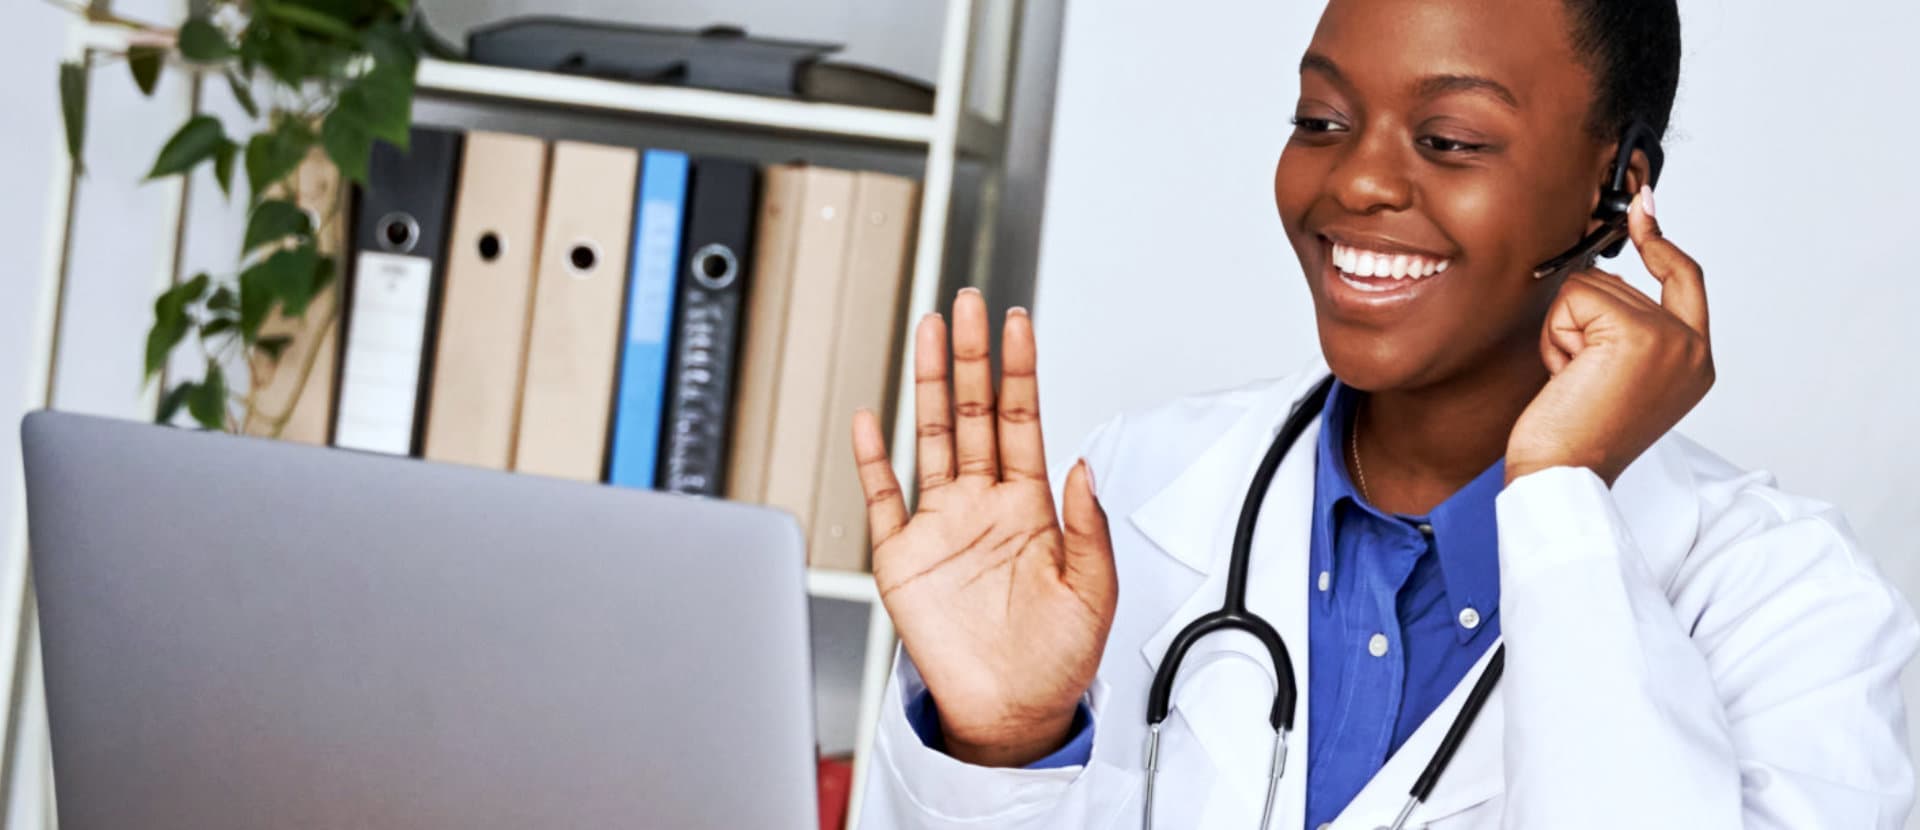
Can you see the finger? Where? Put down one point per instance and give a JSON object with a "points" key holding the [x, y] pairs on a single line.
{"points": [[886, 507], [973, 428], [1551, 354], [1021, 452], [1683, 287], [932, 411], [1580, 305], [1087, 563], [1617, 287]]}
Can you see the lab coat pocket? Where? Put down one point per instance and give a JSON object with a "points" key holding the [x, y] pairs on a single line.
{"points": [[1482, 816], [1223, 702]]}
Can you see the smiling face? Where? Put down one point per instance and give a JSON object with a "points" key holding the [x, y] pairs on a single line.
{"points": [[1441, 151]]}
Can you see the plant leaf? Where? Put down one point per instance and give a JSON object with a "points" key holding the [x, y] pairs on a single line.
{"points": [[323, 275], [161, 339], [273, 154], [207, 403], [223, 158], [391, 47], [195, 141], [73, 107], [348, 143], [194, 287], [215, 326], [170, 321], [174, 399], [274, 220], [274, 346], [144, 62], [381, 101], [299, 282], [203, 42], [243, 93], [278, 49], [312, 20], [285, 277], [223, 299]]}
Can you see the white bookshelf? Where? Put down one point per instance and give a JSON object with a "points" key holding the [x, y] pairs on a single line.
{"points": [[978, 136], [970, 30]]}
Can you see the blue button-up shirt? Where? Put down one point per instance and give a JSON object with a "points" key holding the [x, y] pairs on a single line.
{"points": [[1401, 609]]}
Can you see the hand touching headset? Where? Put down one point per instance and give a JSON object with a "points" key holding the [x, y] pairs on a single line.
{"points": [[1625, 367]]}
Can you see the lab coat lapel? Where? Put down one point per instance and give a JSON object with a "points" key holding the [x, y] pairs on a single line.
{"points": [[1226, 686], [1657, 501], [1475, 774]]}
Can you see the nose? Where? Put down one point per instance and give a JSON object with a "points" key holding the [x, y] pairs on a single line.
{"points": [[1371, 176]]}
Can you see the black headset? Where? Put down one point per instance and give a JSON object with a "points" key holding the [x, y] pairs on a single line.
{"points": [[1615, 201]]}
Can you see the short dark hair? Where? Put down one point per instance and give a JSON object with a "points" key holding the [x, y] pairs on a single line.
{"points": [[1632, 47]]}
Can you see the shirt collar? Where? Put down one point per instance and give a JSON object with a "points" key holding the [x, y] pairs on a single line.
{"points": [[1466, 536]]}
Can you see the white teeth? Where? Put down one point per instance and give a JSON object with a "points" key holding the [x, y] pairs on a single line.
{"points": [[1363, 263]]}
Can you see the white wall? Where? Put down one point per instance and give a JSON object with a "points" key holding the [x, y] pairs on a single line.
{"points": [[1163, 268]]}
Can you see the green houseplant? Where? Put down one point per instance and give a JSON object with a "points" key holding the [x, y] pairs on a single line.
{"points": [[336, 75]]}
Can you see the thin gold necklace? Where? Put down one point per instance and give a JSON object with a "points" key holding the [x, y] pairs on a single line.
{"points": [[1353, 447]]}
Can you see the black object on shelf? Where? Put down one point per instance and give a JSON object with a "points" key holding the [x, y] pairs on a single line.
{"points": [[717, 57]]}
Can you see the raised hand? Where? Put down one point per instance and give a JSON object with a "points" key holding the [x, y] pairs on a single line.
{"points": [[1625, 368], [1003, 610]]}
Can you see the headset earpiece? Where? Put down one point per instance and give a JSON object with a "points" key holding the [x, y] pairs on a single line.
{"points": [[1615, 198]]}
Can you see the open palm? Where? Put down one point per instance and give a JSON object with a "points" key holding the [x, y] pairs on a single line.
{"points": [[1004, 610]]}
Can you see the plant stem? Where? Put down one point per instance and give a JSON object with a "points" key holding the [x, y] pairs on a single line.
{"points": [[279, 422], [101, 14]]}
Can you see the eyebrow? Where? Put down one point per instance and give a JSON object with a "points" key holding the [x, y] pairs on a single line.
{"points": [[1427, 87], [1436, 85]]}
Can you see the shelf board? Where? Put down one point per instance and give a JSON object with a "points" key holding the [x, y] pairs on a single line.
{"points": [[497, 83], [847, 586]]}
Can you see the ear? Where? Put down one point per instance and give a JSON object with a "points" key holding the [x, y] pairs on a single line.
{"points": [[1639, 171]]}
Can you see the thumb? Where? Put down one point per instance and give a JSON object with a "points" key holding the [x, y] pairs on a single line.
{"points": [[1088, 562]]}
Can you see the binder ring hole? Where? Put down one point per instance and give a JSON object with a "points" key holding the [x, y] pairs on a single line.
{"points": [[715, 266], [582, 257], [490, 246], [399, 232]]}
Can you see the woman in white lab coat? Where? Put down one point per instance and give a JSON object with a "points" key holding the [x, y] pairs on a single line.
{"points": [[1686, 645]]}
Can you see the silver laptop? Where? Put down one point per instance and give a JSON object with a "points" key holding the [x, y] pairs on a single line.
{"points": [[243, 633]]}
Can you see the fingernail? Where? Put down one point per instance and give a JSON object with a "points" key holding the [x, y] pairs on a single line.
{"points": [[1017, 311], [970, 290], [931, 315], [1088, 469], [1646, 200]]}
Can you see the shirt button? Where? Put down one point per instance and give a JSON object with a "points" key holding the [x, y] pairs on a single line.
{"points": [[1469, 618], [1326, 579], [1378, 645], [1426, 529]]}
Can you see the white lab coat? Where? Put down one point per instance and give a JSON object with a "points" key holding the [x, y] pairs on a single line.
{"points": [[1691, 649]]}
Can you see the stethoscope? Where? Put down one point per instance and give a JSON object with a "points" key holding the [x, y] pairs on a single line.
{"points": [[1234, 616]]}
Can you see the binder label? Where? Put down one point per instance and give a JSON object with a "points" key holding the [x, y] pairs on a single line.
{"points": [[380, 380]]}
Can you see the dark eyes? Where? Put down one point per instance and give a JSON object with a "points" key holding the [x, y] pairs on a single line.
{"points": [[1448, 145], [1438, 144], [1315, 125]]}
